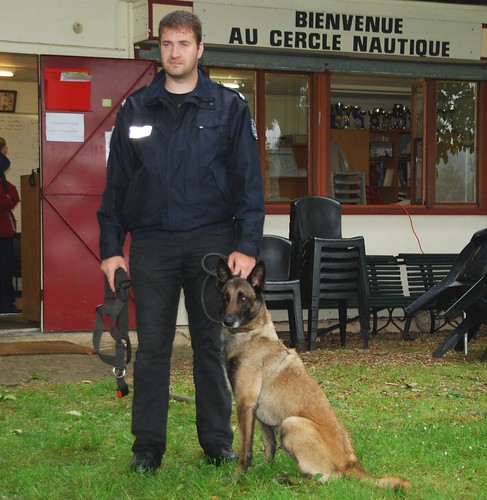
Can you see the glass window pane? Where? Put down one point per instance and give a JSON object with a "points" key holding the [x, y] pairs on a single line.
{"points": [[417, 156], [371, 137], [455, 142], [286, 136]]}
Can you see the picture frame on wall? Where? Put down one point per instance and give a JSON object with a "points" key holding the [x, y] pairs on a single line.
{"points": [[8, 101]]}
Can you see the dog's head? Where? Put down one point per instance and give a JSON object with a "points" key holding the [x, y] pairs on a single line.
{"points": [[242, 299]]}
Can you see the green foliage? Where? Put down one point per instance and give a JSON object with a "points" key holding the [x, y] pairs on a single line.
{"points": [[423, 422], [455, 117]]}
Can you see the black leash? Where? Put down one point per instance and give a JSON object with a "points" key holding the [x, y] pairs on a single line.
{"points": [[211, 272], [116, 309]]}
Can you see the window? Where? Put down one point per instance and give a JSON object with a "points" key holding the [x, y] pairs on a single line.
{"points": [[412, 141], [286, 136], [239, 80], [456, 172], [371, 135]]}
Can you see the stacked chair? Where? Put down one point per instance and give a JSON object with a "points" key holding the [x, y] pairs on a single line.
{"points": [[331, 272], [349, 187], [331, 269]]}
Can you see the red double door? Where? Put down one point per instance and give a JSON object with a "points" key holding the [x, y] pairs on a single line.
{"points": [[73, 178]]}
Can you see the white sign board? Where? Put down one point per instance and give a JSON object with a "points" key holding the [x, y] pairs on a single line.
{"points": [[373, 33], [65, 127]]}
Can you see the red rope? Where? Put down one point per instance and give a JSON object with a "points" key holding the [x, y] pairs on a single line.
{"points": [[412, 225]]}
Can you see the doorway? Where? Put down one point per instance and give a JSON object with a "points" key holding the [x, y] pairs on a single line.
{"points": [[19, 125]]}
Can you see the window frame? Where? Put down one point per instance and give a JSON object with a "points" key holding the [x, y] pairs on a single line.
{"points": [[430, 207], [319, 150]]}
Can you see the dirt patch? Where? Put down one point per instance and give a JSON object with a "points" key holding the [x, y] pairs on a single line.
{"points": [[24, 347], [386, 347], [390, 348], [32, 369]]}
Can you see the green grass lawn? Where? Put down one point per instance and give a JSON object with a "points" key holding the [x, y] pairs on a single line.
{"points": [[423, 420]]}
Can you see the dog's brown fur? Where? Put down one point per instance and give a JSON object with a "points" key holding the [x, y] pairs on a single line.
{"points": [[271, 385]]}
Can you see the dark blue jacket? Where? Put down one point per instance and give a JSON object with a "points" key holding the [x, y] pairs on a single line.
{"points": [[174, 171], [4, 163]]}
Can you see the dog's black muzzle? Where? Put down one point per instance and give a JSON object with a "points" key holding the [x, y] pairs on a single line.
{"points": [[230, 321]]}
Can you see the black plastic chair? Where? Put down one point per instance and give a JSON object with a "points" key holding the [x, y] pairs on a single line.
{"points": [[473, 305], [280, 291], [335, 274], [315, 220], [349, 187], [312, 216], [315, 216], [467, 273]]}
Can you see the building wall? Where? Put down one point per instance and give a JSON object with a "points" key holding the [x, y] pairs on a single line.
{"points": [[384, 233], [393, 234], [97, 28], [108, 28]]}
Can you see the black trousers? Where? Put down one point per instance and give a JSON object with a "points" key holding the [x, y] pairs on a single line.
{"points": [[159, 269], [7, 263]]}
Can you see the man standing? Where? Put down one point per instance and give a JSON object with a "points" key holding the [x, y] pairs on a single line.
{"points": [[184, 179]]}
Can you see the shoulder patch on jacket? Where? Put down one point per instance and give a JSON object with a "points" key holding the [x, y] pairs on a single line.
{"points": [[254, 128]]}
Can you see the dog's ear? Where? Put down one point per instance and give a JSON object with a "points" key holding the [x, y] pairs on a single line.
{"points": [[223, 272], [257, 276]]}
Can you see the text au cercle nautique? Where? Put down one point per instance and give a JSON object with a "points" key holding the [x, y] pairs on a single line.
{"points": [[368, 35]]}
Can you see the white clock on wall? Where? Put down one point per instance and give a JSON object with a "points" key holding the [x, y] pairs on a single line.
{"points": [[8, 98]]}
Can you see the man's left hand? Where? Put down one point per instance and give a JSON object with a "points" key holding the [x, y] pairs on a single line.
{"points": [[240, 264]]}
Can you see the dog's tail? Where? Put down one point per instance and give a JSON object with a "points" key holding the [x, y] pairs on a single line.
{"points": [[356, 471]]}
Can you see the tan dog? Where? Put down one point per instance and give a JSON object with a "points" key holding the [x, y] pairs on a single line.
{"points": [[270, 384]]}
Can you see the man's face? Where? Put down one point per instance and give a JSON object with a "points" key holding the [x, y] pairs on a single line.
{"points": [[179, 53]]}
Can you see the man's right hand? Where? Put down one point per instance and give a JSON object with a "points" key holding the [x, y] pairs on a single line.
{"points": [[109, 266]]}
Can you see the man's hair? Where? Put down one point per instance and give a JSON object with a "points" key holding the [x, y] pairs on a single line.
{"points": [[182, 20], [3, 142]]}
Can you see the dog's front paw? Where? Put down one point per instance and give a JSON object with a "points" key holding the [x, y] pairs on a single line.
{"points": [[237, 474]]}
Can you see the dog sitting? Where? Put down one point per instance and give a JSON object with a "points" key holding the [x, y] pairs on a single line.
{"points": [[270, 385]]}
